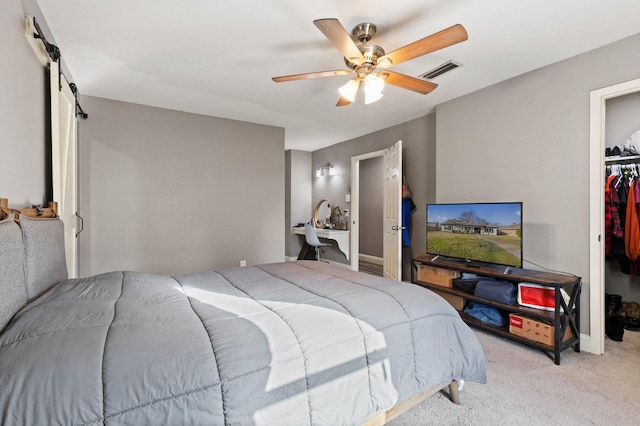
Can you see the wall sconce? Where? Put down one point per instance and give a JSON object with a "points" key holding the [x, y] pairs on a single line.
{"points": [[326, 170]]}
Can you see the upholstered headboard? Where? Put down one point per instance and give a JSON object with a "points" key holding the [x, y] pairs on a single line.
{"points": [[32, 259], [44, 258], [12, 285]]}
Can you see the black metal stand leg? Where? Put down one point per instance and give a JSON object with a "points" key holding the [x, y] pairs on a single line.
{"points": [[577, 319]]}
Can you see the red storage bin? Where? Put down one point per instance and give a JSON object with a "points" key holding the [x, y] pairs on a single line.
{"points": [[539, 297]]}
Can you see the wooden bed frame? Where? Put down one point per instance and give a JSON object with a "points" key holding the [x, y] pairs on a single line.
{"points": [[378, 420], [405, 406], [34, 211]]}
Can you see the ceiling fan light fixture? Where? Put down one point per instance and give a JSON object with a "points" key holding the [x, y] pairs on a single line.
{"points": [[363, 59], [349, 90], [370, 98], [373, 83]]}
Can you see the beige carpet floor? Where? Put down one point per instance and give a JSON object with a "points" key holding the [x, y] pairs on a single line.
{"points": [[525, 387]]}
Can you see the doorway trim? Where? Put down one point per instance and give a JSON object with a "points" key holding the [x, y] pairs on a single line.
{"points": [[597, 145], [354, 246]]}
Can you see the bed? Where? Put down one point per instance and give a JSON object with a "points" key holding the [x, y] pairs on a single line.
{"points": [[295, 343]]}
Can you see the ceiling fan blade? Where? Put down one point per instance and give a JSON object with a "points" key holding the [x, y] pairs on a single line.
{"points": [[408, 82], [335, 32], [343, 101], [310, 75], [445, 38]]}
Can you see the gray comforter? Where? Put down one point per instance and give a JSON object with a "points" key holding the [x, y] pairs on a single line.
{"points": [[280, 344]]}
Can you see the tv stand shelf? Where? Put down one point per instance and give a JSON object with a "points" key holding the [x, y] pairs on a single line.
{"points": [[562, 323]]}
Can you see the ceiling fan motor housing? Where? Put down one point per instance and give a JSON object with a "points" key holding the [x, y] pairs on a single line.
{"points": [[364, 32], [371, 53]]}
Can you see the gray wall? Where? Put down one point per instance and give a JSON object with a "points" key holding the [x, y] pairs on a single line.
{"points": [[22, 110], [419, 147], [527, 139], [622, 119], [171, 192]]}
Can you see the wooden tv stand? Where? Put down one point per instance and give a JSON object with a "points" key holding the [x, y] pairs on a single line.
{"points": [[563, 324]]}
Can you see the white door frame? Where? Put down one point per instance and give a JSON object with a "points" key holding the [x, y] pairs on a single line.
{"points": [[595, 342], [355, 204]]}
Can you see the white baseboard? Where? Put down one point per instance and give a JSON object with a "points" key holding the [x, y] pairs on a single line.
{"points": [[341, 265], [371, 259], [587, 345], [331, 262]]}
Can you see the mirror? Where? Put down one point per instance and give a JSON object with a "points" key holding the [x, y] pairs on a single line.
{"points": [[323, 213]]}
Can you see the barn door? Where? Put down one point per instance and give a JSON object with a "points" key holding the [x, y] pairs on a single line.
{"points": [[64, 161]]}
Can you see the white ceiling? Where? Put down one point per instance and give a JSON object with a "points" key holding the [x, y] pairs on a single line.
{"points": [[217, 57]]}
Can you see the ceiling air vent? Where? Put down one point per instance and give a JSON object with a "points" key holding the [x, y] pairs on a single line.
{"points": [[439, 70]]}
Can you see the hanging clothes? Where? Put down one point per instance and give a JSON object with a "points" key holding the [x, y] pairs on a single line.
{"points": [[632, 226], [408, 207], [616, 197], [612, 228], [634, 268]]}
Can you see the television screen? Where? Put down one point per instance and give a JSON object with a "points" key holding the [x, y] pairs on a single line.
{"points": [[483, 232]]}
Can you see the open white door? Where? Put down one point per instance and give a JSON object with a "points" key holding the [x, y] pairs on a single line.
{"points": [[392, 222], [64, 160]]}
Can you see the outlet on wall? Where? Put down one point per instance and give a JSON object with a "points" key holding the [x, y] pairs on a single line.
{"points": [[243, 263]]}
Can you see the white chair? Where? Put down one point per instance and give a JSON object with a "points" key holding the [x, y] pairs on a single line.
{"points": [[311, 237]]}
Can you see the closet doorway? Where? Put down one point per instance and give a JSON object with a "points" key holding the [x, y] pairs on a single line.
{"points": [[391, 212], [595, 343], [370, 196]]}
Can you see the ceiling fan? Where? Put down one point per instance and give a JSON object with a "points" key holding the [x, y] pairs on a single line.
{"points": [[364, 59]]}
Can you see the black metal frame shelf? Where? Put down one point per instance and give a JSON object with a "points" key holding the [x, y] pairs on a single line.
{"points": [[561, 322]]}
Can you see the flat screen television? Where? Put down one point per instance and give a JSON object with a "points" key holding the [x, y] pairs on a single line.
{"points": [[480, 232]]}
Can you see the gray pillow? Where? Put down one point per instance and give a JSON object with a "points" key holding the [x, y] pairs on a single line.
{"points": [[13, 293], [44, 257]]}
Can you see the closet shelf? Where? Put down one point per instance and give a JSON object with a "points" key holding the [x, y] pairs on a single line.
{"points": [[622, 159]]}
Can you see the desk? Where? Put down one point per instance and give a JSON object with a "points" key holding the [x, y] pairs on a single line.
{"points": [[338, 235]]}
